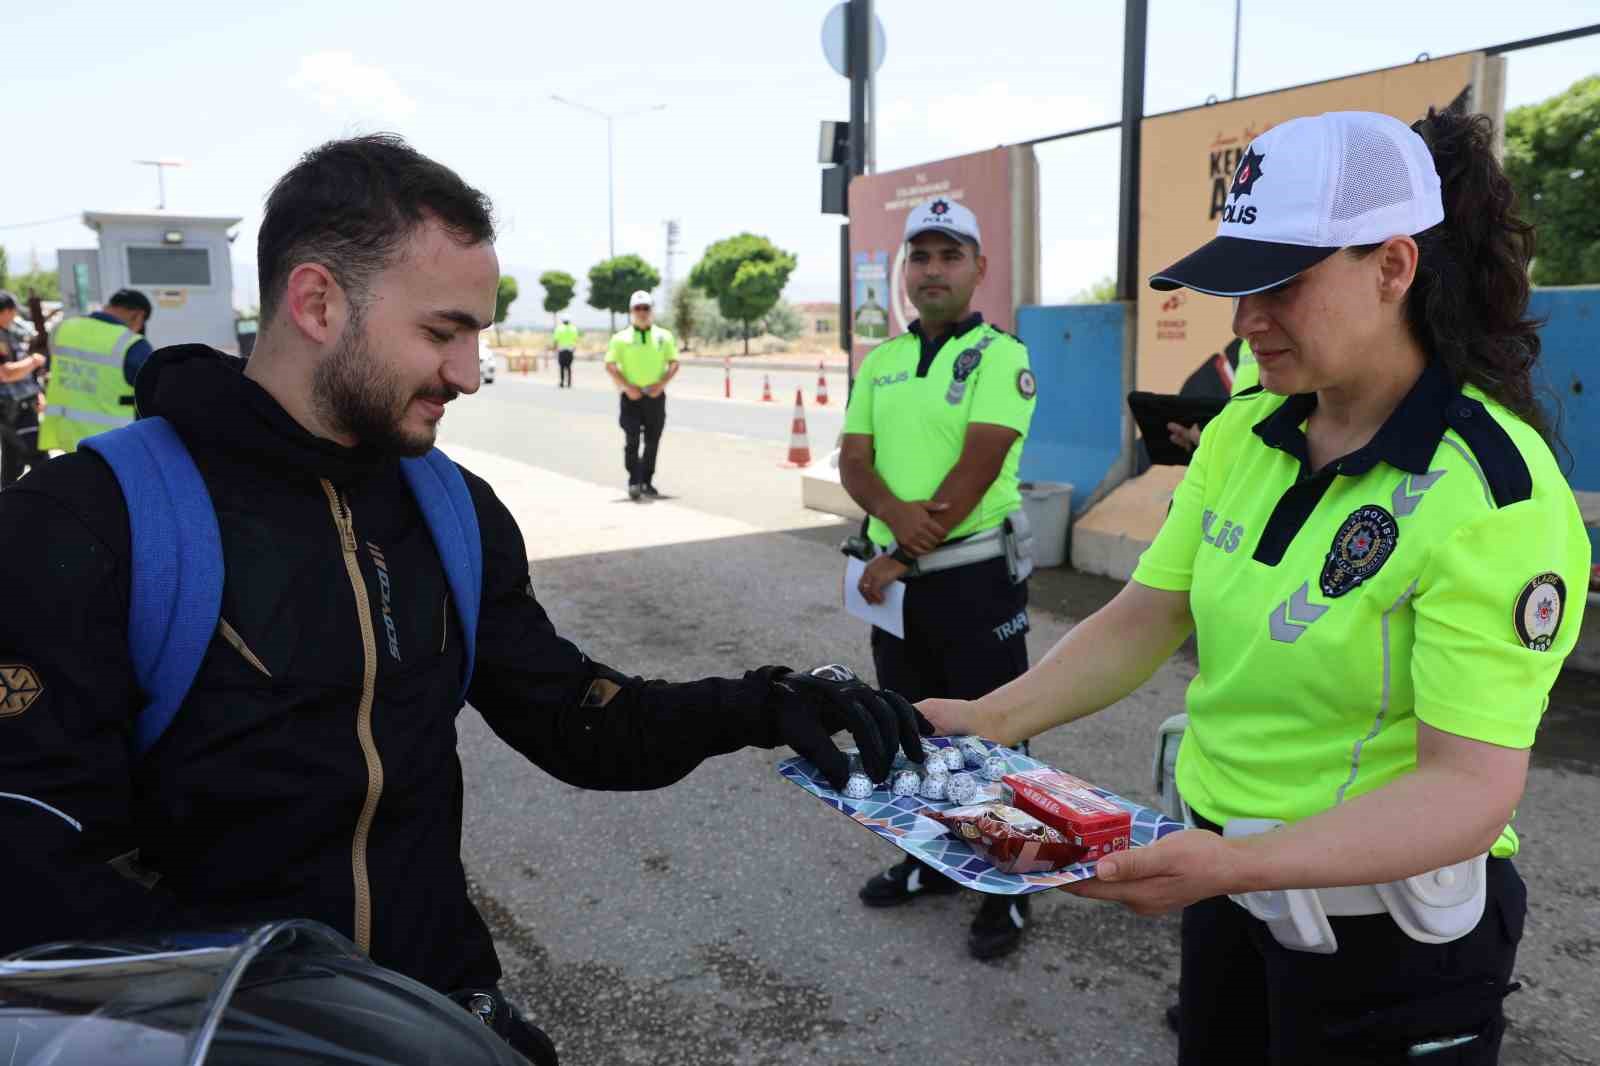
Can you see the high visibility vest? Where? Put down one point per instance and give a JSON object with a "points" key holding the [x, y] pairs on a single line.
{"points": [[87, 393]]}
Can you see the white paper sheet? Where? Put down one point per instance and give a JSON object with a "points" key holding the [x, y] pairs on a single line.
{"points": [[890, 615]]}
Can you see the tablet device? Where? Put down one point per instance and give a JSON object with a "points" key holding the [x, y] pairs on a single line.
{"points": [[1153, 410]]}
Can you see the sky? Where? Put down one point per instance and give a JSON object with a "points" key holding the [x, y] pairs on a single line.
{"points": [[239, 91]]}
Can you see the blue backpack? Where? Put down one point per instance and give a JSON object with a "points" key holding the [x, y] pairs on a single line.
{"points": [[175, 596]]}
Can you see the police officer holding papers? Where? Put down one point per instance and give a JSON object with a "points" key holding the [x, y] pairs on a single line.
{"points": [[1384, 569], [932, 439]]}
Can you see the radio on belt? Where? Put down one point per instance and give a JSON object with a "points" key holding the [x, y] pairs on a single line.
{"points": [[1069, 805]]}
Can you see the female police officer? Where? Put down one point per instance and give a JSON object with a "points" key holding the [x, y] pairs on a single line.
{"points": [[1384, 569]]}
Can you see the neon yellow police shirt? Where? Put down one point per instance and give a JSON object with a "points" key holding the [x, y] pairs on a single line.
{"points": [[566, 337], [918, 424], [1436, 575], [642, 354]]}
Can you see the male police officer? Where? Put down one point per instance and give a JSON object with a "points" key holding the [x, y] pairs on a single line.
{"points": [[932, 439], [566, 342], [311, 769], [641, 360], [19, 397], [94, 361]]}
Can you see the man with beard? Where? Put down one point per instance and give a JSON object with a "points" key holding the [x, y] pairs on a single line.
{"points": [[932, 439], [310, 769]]}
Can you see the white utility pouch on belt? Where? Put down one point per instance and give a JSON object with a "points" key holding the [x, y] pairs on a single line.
{"points": [[1432, 908], [1164, 770]]}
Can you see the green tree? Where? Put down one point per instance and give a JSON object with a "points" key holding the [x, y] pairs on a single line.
{"points": [[613, 281], [505, 294], [558, 289], [43, 283], [3, 267], [1101, 292], [1553, 160], [783, 321], [685, 317], [746, 275]]}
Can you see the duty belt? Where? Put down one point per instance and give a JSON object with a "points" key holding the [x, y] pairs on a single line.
{"points": [[1012, 540]]}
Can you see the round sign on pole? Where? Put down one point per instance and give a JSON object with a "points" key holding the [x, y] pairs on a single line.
{"points": [[834, 31]]}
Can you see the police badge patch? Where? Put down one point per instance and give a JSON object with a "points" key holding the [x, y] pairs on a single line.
{"points": [[1360, 548], [1539, 610], [1027, 387], [966, 363]]}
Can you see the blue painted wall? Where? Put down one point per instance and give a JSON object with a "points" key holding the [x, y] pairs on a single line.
{"points": [[1076, 354], [1568, 374]]}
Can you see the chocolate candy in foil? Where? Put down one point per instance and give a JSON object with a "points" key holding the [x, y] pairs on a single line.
{"points": [[933, 786], [905, 783], [961, 789], [953, 759], [973, 752], [995, 767], [859, 786]]}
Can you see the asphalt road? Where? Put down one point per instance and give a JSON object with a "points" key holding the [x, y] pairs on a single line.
{"points": [[715, 922]]}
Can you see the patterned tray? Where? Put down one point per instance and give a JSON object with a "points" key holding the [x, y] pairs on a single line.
{"points": [[901, 821]]}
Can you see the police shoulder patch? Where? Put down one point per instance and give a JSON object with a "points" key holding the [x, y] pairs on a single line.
{"points": [[1027, 386], [19, 688], [1539, 609], [1360, 548]]}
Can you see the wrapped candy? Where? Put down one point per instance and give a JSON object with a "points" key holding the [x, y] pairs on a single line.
{"points": [[973, 752], [1014, 841], [858, 786], [961, 789], [933, 785], [905, 783], [995, 767], [953, 760]]}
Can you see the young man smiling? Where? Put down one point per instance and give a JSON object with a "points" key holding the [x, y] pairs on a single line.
{"points": [[312, 772]]}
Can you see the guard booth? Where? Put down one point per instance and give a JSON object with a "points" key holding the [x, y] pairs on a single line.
{"points": [[180, 262]]}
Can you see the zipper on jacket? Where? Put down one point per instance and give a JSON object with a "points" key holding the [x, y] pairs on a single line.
{"points": [[346, 524]]}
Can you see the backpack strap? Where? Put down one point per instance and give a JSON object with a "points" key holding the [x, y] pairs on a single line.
{"points": [[452, 518], [175, 586]]}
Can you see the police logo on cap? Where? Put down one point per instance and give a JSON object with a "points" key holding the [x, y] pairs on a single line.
{"points": [[1539, 610], [939, 207], [1360, 548], [1244, 179]]}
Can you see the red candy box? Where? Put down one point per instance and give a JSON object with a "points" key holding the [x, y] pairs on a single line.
{"points": [[1091, 823]]}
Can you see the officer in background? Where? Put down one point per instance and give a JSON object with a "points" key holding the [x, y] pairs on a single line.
{"points": [[932, 439], [566, 342], [641, 360], [19, 397], [94, 362]]}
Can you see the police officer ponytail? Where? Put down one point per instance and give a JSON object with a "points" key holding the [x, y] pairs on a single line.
{"points": [[1468, 306]]}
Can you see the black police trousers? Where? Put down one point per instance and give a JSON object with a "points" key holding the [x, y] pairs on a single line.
{"points": [[1247, 1000], [564, 364], [966, 634], [642, 421], [19, 438]]}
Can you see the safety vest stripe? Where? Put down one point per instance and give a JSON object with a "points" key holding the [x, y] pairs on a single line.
{"points": [[124, 342], [77, 414], [97, 358]]}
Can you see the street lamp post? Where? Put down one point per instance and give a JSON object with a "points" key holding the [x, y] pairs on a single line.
{"points": [[611, 177]]}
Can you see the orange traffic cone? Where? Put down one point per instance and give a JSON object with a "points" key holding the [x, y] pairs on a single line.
{"points": [[766, 388], [799, 446], [822, 385]]}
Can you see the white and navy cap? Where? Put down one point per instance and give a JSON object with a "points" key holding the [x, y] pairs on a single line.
{"points": [[943, 215], [1307, 188], [641, 299]]}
